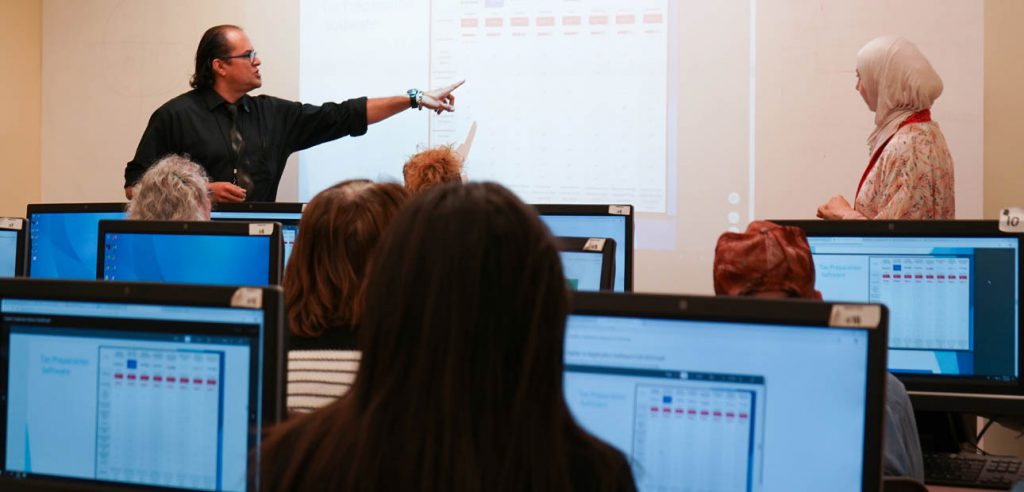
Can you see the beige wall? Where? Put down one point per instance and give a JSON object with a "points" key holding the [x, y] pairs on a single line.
{"points": [[1004, 106], [74, 42], [21, 37]]}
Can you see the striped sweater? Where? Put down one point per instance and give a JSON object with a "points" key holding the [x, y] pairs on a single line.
{"points": [[320, 370]]}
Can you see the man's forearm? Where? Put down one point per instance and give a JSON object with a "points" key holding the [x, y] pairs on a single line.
{"points": [[382, 108]]}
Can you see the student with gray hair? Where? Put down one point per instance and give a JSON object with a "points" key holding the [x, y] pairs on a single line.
{"points": [[175, 188]]}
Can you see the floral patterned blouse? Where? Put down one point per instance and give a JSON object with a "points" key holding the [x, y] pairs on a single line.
{"points": [[913, 178]]}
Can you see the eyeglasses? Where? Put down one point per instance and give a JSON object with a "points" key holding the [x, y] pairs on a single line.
{"points": [[251, 55]]}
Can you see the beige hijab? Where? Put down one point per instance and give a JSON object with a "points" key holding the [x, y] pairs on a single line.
{"points": [[899, 80]]}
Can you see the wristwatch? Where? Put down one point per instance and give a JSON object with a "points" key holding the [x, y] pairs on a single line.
{"points": [[414, 98]]}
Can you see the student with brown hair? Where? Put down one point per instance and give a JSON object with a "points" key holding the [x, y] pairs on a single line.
{"points": [[460, 385], [337, 237]]}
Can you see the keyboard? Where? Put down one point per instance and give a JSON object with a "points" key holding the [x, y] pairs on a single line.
{"points": [[973, 470]]}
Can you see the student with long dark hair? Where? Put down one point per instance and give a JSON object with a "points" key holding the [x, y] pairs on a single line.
{"points": [[338, 235], [460, 384]]}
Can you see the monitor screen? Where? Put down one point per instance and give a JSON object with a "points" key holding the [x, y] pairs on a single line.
{"points": [[187, 258], [612, 226], [706, 405], [289, 224], [582, 269], [952, 300], [8, 252], [62, 245], [142, 394]]}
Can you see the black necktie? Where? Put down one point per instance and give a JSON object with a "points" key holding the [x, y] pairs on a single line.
{"points": [[240, 176]]}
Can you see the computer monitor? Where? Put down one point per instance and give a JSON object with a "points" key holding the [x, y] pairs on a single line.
{"points": [[12, 246], [217, 253], [611, 221], [588, 263], [63, 236], [953, 292], [109, 385], [704, 393], [287, 213]]}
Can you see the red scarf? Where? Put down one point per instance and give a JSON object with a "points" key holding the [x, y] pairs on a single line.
{"points": [[918, 117]]}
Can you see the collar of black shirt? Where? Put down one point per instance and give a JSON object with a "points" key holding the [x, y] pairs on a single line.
{"points": [[213, 100]]}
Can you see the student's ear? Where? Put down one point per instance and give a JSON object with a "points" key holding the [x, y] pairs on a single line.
{"points": [[817, 294]]}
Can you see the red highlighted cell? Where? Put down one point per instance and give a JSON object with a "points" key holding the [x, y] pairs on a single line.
{"points": [[572, 20], [470, 23], [653, 19], [131, 377], [171, 379], [158, 378], [545, 21], [598, 20], [118, 375], [494, 22], [211, 381], [144, 377], [519, 21], [625, 19]]}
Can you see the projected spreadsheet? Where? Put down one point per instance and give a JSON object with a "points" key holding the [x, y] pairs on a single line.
{"points": [[598, 149], [699, 436], [159, 415], [929, 300]]}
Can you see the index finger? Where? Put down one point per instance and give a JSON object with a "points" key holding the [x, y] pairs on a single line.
{"points": [[454, 86]]}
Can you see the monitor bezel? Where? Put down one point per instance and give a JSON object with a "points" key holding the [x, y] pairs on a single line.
{"points": [[606, 251], [602, 210], [21, 247], [777, 312], [271, 303], [64, 208], [194, 228], [942, 393], [259, 207]]}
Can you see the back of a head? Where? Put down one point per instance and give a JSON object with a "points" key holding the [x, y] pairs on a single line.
{"points": [[172, 189], [337, 236], [432, 167], [897, 76], [460, 382], [766, 259]]}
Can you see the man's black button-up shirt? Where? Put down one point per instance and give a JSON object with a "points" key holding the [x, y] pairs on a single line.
{"points": [[198, 124]]}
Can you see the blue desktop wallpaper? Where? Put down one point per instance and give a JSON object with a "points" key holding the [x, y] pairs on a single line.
{"points": [[185, 258], [63, 245]]}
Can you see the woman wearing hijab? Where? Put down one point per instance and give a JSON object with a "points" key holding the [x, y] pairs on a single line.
{"points": [[910, 174]]}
